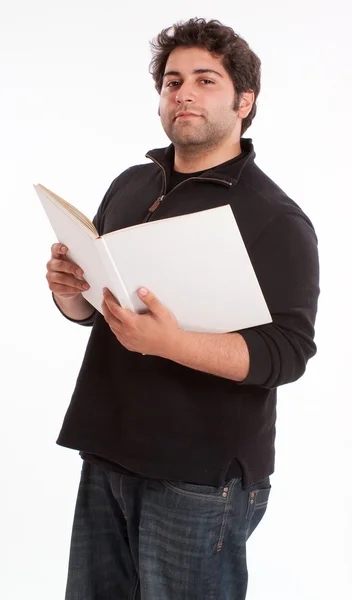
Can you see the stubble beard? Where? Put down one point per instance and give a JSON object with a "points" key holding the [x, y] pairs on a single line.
{"points": [[194, 138]]}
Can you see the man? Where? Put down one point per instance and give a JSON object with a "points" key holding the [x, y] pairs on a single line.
{"points": [[176, 429]]}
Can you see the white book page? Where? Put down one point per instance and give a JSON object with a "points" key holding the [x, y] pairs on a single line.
{"points": [[113, 279], [82, 248], [197, 265]]}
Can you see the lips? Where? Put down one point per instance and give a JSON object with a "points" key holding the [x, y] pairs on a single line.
{"points": [[186, 114]]}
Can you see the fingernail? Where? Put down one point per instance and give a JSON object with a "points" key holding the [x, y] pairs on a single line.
{"points": [[63, 248], [85, 286], [143, 291]]}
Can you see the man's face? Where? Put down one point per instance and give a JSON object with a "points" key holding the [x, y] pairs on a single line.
{"points": [[191, 86]]}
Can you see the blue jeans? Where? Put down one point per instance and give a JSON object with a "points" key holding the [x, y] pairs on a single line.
{"points": [[149, 539]]}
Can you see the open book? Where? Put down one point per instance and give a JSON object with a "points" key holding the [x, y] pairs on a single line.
{"points": [[196, 264]]}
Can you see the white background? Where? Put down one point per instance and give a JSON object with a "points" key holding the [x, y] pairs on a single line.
{"points": [[77, 107]]}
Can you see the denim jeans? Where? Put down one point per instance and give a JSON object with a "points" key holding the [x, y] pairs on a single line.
{"points": [[149, 539]]}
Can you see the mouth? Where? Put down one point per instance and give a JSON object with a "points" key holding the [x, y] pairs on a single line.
{"points": [[184, 115]]}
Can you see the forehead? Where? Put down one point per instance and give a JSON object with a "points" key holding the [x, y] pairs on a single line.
{"points": [[187, 60]]}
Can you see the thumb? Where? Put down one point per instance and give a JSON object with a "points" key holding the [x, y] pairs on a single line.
{"points": [[149, 300]]}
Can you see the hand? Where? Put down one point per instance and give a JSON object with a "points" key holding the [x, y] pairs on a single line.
{"points": [[149, 333], [63, 275]]}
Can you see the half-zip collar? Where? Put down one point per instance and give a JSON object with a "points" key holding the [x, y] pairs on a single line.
{"points": [[230, 172]]}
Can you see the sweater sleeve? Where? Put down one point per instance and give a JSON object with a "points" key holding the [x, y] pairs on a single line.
{"points": [[285, 259]]}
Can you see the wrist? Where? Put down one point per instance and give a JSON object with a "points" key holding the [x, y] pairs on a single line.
{"points": [[172, 344], [75, 309]]}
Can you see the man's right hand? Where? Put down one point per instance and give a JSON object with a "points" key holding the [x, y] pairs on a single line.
{"points": [[63, 275]]}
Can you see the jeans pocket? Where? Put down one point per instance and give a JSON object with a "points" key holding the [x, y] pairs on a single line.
{"points": [[257, 503], [206, 492]]}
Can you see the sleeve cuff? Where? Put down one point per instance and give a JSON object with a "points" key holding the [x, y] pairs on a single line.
{"points": [[260, 362], [87, 322]]}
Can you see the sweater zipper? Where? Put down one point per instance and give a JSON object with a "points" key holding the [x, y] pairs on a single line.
{"points": [[159, 200]]}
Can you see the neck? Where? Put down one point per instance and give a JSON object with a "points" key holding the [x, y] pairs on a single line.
{"points": [[191, 159]]}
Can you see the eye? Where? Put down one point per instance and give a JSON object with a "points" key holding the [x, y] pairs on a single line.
{"points": [[207, 80], [170, 83]]}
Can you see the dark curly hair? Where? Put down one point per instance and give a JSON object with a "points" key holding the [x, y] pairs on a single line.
{"points": [[241, 63]]}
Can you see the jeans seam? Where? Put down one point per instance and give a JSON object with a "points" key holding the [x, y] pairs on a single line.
{"points": [[251, 507], [123, 503], [224, 519], [188, 493], [134, 586]]}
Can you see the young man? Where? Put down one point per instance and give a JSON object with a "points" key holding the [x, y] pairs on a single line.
{"points": [[176, 429]]}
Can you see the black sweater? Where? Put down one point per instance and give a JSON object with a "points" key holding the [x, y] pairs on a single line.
{"points": [[160, 419]]}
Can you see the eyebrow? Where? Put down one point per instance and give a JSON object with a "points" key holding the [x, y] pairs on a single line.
{"points": [[195, 72]]}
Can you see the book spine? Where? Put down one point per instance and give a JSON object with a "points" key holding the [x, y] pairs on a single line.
{"points": [[117, 286]]}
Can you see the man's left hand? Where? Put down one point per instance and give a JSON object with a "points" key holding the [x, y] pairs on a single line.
{"points": [[148, 333]]}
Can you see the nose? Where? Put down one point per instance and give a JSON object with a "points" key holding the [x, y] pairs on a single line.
{"points": [[185, 93]]}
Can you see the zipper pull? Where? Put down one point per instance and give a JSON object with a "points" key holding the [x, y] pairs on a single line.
{"points": [[155, 204]]}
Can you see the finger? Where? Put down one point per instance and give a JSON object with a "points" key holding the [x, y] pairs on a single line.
{"points": [[64, 290], [116, 319], [107, 311], [109, 297], [58, 250], [151, 301], [62, 279], [113, 302], [64, 266], [113, 305], [109, 317]]}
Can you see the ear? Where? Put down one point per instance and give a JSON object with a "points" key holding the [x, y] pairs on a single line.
{"points": [[159, 110], [247, 101]]}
